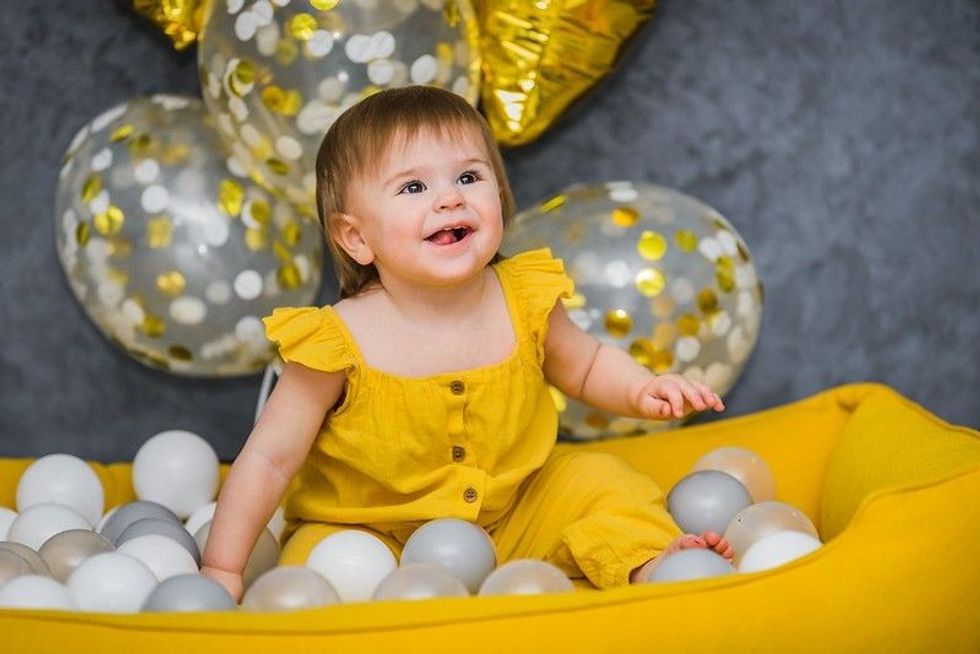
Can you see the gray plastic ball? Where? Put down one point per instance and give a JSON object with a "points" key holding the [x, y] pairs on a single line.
{"points": [[38, 566], [706, 500], [163, 527], [419, 581], [691, 564], [188, 593], [131, 512], [289, 588], [264, 556], [462, 547], [67, 550]]}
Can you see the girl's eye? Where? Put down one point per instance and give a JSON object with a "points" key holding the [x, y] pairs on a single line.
{"points": [[412, 187], [468, 178]]}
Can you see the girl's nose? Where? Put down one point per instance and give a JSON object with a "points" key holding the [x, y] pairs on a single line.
{"points": [[449, 199]]}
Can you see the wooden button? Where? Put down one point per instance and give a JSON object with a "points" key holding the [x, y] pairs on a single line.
{"points": [[457, 387], [458, 453], [470, 495]]}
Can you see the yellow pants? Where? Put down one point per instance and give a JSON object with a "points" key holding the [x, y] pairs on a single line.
{"points": [[592, 515]]}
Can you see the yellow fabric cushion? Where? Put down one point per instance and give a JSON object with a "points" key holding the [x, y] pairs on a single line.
{"points": [[894, 489]]}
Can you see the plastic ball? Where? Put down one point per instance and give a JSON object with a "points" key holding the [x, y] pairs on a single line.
{"points": [[199, 518], [188, 593], [66, 551], [35, 592], [691, 564], [289, 588], [38, 566], [746, 466], [465, 549], [760, 520], [39, 522], [62, 479], [706, 501], [264, 556], [177, 469], [354, 562], [111, 583], [12, 566], [777, 549], [164, 556], [526, 577], [7, 517], [419, 581], [116, 521], [161, 527]]}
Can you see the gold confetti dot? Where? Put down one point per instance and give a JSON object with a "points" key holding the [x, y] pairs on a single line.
{"points": [[282, 252], [302, 26], [274, 98], [120, 247], [558, 398], [661, 361], [180, 353], [663, 306], [577, 301], [707, 301], [118, 275], [552, 203], [649, 282], [725, 273], [171, 283], [256, 239], [120, 133], [664, 335], [743, 253], [625, 216], [686, 240], [324, 5], [651, 246], [141, 145], [640, 350], [175, 154], [244, 73], [688, 325], [159, 232], [291, 233], [261, 211], [109, 221], [597, 420], [288, 277], [91, 187], [82, 234], [277, 166], [286, 52], [618, 323], [230, 197], [152, 326]]}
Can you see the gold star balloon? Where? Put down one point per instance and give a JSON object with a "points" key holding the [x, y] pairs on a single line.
{"points": [[657, 273], [172, 251], [275, 75]]}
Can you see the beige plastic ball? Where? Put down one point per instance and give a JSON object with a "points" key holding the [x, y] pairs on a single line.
{"points": [[289, 588], [263, 558], [746, 466], [526, 577], [417, 581], [764, 519], [66, 551]]}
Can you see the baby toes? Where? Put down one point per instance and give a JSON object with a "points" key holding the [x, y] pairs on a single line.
{"points": [[690, 541]]}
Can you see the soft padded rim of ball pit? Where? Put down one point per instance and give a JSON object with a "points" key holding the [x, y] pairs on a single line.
{"points": [[894, 491]]}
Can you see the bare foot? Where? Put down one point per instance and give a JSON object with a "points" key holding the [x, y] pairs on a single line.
{"points": [[707, 540]]}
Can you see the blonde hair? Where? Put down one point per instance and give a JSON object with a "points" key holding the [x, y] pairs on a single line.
{"points": [[361, 136]]}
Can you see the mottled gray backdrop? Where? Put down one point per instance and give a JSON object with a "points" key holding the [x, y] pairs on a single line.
{"points": [[840, 138]]}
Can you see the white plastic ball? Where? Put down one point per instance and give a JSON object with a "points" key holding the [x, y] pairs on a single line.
{"points": [[777, 549], [691, 564], [163, 556], [7, 517], [201, 516], [177, 469], [35, 592], [40, 522], [62, 479], [354, 562], [111, 583]]}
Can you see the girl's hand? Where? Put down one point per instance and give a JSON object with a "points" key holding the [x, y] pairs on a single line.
{"points": [[231, 581], [672, 395]]}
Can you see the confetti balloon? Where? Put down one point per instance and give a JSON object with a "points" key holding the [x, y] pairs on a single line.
{"points": [[658, 274], [275, 76], [173, 253]]}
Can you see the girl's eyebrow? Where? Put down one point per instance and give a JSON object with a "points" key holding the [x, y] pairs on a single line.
{"points": [[413, 172]]}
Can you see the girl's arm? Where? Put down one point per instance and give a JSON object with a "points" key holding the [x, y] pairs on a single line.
{"points": [[608, 378], [258, 479]]}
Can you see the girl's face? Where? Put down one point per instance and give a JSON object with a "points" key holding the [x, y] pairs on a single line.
{"points": [[430, 212]]}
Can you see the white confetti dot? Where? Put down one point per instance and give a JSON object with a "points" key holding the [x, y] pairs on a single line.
{"points": [[618, 274], [330, 89], [423, 69], [380, 71], [745, 276], [110, 293], [461, 86], [738, 345], [65, 169], [102, 160], [367, 5], [687, 348], [146, 171], [262, 11], [250, 330], [251, 135], [214, 85], [106, 117], [623, 194], [710, 248], [100, 203], [76, 141], [215, 230], [682, 289], [727, 242], [718, 377], [226, 124], [235, 167], [303, 266], [267, 39], [235, 6], [315, 118], [133, 312], [281, 3], [309, 182], [171, 102], [245, 25], [218, 292], [248, 284], [289, 148], [97, 251], [721, 322], [745, 305], [406, 6], [154, 199], [434, 5], [188, 310], [69, 221], [694, 374], [358, 48], [382, 45], [319, 44], [238, 108]]}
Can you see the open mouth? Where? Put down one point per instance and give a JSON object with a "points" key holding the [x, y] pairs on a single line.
{"points": [[449, 235]]}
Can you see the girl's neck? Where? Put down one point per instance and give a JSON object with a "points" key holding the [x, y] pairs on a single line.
{"points": [[426, 304]]}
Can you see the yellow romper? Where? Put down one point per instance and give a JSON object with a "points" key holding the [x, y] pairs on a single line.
{"points": [[474, 444]]}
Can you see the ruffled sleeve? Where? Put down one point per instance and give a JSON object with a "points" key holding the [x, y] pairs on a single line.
{"points": [[309, 336], [538, 280]]}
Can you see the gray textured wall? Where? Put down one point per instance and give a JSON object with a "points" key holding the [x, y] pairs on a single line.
{"points": [[840, 138]]}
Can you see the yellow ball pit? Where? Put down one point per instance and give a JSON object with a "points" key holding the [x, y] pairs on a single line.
{"points": [[893, 490]]}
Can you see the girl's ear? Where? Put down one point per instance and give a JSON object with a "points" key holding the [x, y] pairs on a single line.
{"points": [[346, 232]]}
